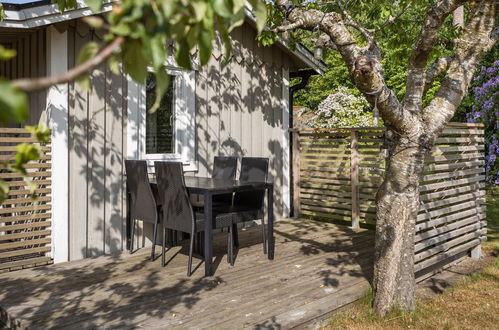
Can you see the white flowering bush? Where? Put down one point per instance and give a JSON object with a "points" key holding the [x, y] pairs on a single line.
{"points": [[343, 109]]}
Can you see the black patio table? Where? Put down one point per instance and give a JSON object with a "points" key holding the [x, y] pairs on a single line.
{"points": [[209, 187]]}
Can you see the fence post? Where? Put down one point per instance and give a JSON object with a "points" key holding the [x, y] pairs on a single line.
{"points": [[354, 178], [296, 173]]}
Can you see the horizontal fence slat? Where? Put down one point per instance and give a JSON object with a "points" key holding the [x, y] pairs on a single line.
{"points": [[447, 254], [451, 183], [21, 183], [17, 192], [37, 174], [32, 216], [453, 166], [446, 236], [25, 234], [13, 148], [24, 243], [13, 130], [22, 252], [8, 210], [446, 158], [448, 218], [26, 262], [451, 200], [450, 192], [40, 224], [457, 148], [424, 235], [447, 245], [446, 210], [449, 175], [26, 200]]}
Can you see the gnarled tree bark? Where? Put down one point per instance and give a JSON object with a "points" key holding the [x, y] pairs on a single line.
{"points": [[411, 129]]}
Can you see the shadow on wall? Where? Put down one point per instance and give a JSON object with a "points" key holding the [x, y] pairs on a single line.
{"points": [[238, 112]]}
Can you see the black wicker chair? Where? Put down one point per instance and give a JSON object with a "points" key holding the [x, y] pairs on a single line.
{"points": [[143, 205], [224, 168], [248, 205], [177, 212]]}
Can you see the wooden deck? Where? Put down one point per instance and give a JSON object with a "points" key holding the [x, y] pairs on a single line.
{"points": [[318, 268]]}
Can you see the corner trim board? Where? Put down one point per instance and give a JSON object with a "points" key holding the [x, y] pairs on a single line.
{"points": [[58, 121]]}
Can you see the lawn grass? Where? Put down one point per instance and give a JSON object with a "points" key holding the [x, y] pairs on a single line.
{"points": [[492, 204], [472, 304]]}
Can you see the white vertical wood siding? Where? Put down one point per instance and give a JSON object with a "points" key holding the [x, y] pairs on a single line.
{"points": [[239, 111], [97, 120]]}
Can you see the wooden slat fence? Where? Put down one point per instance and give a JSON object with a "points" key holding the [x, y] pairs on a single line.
{"points": [[451, 220], [25, 224], [336, 173]]}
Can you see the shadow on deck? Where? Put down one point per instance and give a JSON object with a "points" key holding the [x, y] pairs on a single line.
{"points": [[318, 268]]}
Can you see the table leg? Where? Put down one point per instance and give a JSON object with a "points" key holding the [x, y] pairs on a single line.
{"points": [[270, 230], [208, 237]]}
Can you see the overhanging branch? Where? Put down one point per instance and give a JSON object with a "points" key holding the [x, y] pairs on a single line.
{"points": [[477, 39], [36, 84], [418, 58]]}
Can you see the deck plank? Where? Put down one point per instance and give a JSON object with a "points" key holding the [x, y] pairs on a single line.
{"points": [[316, 264]]}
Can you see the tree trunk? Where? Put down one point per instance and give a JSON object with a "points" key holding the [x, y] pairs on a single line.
{"points": [[397, 204]]}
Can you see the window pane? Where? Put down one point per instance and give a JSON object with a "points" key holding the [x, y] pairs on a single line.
{"points": [[160, 125]]}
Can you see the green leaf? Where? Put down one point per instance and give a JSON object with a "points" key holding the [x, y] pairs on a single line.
{"points": [[237, 20], [260, 11], [13, 103], [40, 132], [88, 51], [158, 50], [183, 57], [226, 40], [4, 189], [65, 4], [25, 152], [95, 5], [122, 29], [114, 64], [238, 5], [205, 45], [162, 82], [6, 54], [2, 12], [134, 61], [222, 8], [200, 8]]}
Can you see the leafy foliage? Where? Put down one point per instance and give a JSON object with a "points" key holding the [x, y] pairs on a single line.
{"points": [[485, 109], [343, 109], [396, 25]]}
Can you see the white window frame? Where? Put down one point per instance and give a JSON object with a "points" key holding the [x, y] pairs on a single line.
{"points": [[184, 120]]}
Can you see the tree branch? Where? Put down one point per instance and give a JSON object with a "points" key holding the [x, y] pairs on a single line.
{"points": [[392, 19], [36, 84], [477, 39], [363, 64], [418, 59], [351, 22], [439, 67]]}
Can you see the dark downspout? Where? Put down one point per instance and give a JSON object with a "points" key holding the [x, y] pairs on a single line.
{"points": [[305, 76]]}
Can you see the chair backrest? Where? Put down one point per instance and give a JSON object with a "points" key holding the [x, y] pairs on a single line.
{"points": [[143, 204], [224, 168], [176, 207], [253, 169]]}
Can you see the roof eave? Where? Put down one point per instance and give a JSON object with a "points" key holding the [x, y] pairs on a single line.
{"points": [[43, 15]]}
